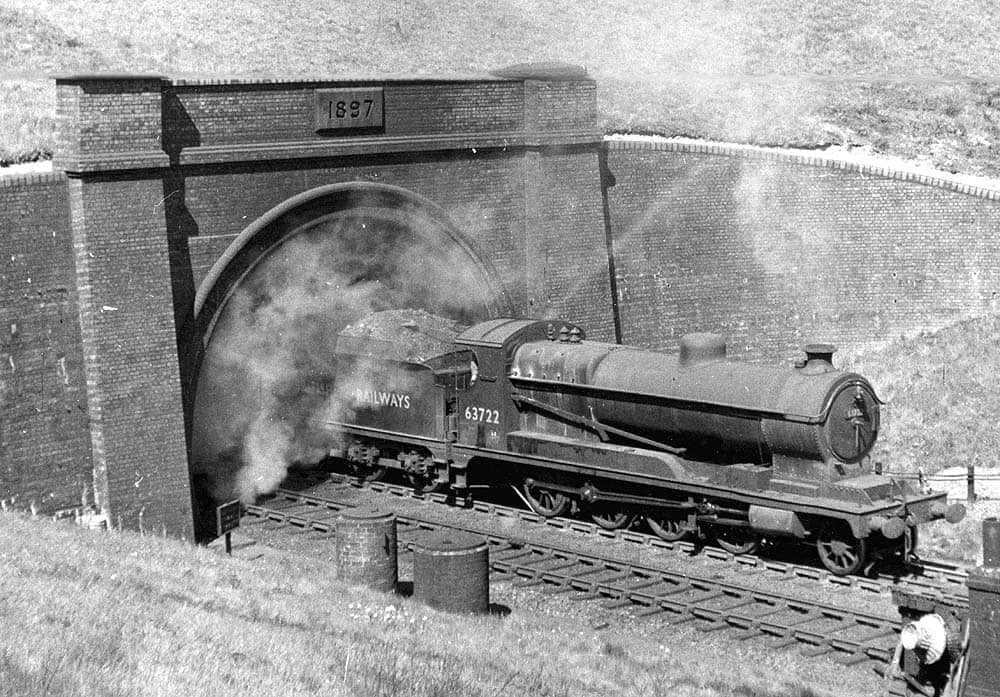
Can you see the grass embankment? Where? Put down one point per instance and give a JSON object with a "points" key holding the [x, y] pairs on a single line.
{"points": [[114, 614], [915, 79], [943, 390]]}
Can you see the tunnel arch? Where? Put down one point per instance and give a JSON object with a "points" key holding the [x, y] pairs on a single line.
{"points": [[268, 311], [288, 217]]}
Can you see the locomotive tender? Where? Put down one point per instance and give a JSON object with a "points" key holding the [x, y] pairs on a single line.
{"points": [[694, 443]]}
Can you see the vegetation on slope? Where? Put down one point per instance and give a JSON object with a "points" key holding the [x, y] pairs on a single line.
{"points": [[114, 614], [937, 385], [914, 78], [942, 389]]}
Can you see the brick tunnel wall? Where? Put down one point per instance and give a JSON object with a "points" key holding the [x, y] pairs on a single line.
{"points": [[163, 175], [45, 460], [518, 207], [775, 250]]}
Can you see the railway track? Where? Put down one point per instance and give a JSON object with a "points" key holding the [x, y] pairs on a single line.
{"points": [[848, 635], [932, 577]]}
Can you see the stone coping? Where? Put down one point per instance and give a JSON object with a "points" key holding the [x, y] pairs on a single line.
{"points": [[830, 158], [846, 160]]}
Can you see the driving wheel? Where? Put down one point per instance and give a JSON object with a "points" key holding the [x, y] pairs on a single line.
{"points": [[671, 528], [840, 551], [545, 502], [611, 518], [737, 539]]}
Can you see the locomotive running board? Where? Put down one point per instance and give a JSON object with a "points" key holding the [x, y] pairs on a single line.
{"points": [[600, 457], [637, 466]]}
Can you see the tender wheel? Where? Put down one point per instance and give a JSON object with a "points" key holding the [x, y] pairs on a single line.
{"points": [[368, 473], [671, 528], [840, 551], [545, 502], [737, 539], [610, 518]]}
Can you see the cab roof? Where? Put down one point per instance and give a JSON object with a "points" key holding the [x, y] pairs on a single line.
{"points": [[496, 333]]}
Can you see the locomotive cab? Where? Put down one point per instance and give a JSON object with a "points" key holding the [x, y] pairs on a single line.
{"points": [[486, 413], [455, 374]]}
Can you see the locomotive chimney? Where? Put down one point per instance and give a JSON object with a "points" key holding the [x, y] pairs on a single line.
{"points": [[819, 358]]}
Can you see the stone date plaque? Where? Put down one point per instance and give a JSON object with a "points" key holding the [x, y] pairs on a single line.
{"points": [[349, 108]]}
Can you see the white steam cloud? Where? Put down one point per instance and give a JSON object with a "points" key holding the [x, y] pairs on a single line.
{"points": [[264, 384]]}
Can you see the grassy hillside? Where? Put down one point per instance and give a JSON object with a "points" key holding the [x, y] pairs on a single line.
{"points": [[113, 614], [941, 389], [915, 78]]}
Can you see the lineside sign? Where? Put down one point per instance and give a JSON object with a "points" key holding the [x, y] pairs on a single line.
{"points": [[227, 519]]}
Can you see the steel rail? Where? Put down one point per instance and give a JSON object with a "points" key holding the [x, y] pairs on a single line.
{"points": [[929, 576], [714, 604]]}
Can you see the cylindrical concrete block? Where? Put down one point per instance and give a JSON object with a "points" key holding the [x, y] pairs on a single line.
{"points": [[451, 571], [366, 548]]}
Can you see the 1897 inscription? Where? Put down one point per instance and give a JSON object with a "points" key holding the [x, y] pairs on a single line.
{"points": [[345, 108]]}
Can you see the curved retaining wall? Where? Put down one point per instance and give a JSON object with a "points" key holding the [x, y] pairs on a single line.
{"points": [[774, 249]]}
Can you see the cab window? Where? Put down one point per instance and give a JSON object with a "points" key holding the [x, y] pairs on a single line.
{"points": [[457, 371]]}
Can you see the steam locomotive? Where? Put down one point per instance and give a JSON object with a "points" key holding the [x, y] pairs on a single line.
{"points": [[695, 443]]}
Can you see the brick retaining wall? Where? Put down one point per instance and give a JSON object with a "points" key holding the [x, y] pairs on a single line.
{"points": [[777, 249], [45, 460]]}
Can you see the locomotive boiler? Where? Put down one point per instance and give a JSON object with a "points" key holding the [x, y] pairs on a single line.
{"points": [[693, 442]]}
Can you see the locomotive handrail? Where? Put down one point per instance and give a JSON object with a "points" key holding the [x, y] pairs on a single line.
{"points": [[602, 429], [691, 404]]}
